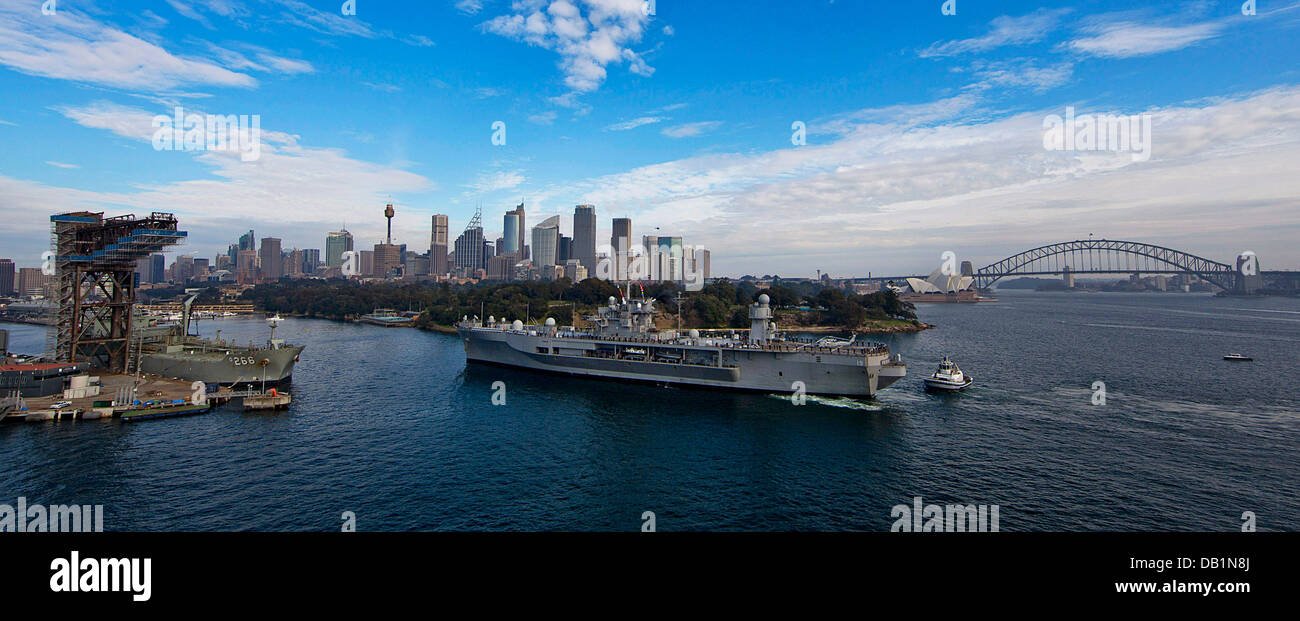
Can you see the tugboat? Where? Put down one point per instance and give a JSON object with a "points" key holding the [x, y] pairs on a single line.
{"points": [[1238, 358], [948, 377]]}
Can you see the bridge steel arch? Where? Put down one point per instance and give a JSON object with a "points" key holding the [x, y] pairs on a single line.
{"points": [[1107, 256]]}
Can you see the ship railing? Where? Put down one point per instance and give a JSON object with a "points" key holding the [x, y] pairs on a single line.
{"points": [[856, 349]]}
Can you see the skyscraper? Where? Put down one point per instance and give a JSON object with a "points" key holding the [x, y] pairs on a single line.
{"points": [[272, 259], [247, 241], [513, 231], [468, 251], [584, 236], [546, 242], [652, 263], [245, 266], [621, 241], [438, 246], [310, 260], [158, 273], [564, 251], [6, 277], [336, 244]]}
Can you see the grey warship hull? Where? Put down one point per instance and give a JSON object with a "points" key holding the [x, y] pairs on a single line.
{"points": [[225, 367], [817, 371]]}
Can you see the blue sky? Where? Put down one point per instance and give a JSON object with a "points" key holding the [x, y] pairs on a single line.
{"points": [[924, 130]]}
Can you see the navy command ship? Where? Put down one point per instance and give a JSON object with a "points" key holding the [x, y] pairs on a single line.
{"points": [[624, 345]]}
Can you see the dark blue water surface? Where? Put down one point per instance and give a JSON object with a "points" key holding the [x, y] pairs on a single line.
{"points": [[389, 424]]}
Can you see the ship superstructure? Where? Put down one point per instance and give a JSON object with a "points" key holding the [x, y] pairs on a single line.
{"points": [[622, 343], [170, 351]]}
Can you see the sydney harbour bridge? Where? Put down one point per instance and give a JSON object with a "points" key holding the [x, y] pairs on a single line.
{"points": [[1110, 256]]}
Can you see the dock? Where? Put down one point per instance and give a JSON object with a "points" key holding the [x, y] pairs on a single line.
{"points": [[185, 409], [115, 399]]}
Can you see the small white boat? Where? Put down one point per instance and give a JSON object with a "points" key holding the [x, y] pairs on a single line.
{"points": [[1238, 358], [948, 377]]}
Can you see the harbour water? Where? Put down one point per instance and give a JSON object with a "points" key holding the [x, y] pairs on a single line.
{"points": [[389, 424]]}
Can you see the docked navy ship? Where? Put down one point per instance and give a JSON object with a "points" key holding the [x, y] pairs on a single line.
{"points": [[170, 351], [623, 344]]}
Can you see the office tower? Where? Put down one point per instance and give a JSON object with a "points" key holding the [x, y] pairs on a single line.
{"points": [[620, 241], [247, 241], [417, 265], [30, 281], [142, 267], [224, 263], [6, 277], [501, 267], [651, 263], [201, 269], [468, 249], [246, 266], [293, 263], [388, 260], [310, 260], [271, 258], [546, 241], [438, 247], [366, 262], [584, 236], [232, 251], [513, 231], [564, 251], [158, 272], [670, 259], [336, 244], [702, 263], [573, 270]]}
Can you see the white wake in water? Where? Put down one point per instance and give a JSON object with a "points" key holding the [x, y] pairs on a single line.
{"points": [[837, 402]]}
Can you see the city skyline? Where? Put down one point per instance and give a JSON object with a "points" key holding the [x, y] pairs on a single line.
{"points": [[867, 149]]}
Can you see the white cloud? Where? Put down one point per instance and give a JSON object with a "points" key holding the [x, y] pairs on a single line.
{"points": [[496, 180], [586, 42], [61, 164], [1127, 39], [543, 118], [633, 124], [689, 130], [291, 187], [469, 7], [76, 47], [1004, 30], [984, 189]]}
